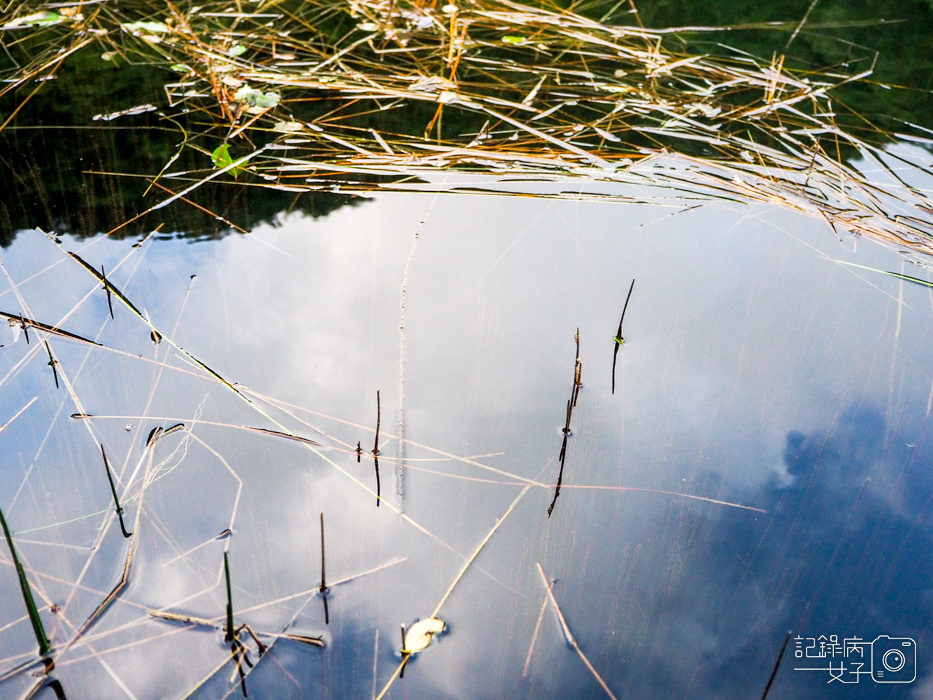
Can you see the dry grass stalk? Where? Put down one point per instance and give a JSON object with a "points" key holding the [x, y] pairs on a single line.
{"points": [[311, 92]]}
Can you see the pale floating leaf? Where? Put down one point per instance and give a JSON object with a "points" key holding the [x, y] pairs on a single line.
{"points": [[256, 98], [422, 633], [236, 50], [606, 135], [147, 27], [37, 19], [367, 27], [433, 83], [288, 127], [138, 109]]}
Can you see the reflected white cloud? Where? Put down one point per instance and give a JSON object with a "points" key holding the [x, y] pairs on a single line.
{"points": [[756, 370]]}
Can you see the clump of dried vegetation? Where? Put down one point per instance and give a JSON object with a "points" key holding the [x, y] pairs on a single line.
{"points": [[362, 95]]}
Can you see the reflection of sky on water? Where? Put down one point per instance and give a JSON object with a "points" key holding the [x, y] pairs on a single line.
{"points": [[755, 370]]}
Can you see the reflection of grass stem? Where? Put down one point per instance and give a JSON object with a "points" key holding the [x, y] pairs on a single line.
{"points": [[376, 448], [230, 629], [406, 654], [569, 637], [52, 683], [577, 369], [113, 490], [915, 280], [563, 454], [103, 274], [323, 588], [619, 341], [44, 648], [52, 363], [26, 322], [777, 665]]}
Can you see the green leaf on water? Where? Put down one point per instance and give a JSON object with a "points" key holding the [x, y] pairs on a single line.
{"points": [[236, 50], [517, 40], [256, 98], [222, 158]]}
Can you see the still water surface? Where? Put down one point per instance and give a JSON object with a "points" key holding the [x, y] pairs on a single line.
{"points": [[762, 466]]}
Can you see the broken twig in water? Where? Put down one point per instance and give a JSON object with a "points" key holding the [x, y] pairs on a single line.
{"points": [[113, 490], [619, 340]]}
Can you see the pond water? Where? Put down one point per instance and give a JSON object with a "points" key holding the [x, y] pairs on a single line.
{"points": [[371, 409], [761, 467]]}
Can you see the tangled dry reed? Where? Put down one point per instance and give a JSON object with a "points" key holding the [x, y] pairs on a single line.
{"points": [[365, 95]]}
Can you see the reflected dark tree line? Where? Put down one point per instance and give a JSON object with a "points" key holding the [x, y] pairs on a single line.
{"points": [[65, 171], [836, 33]]}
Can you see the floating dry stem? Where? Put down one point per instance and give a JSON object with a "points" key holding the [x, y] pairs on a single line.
{"points": [[569, 637], [26, 322]]}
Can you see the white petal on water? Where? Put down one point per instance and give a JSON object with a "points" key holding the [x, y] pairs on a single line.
{"points": [[422, 633]]}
